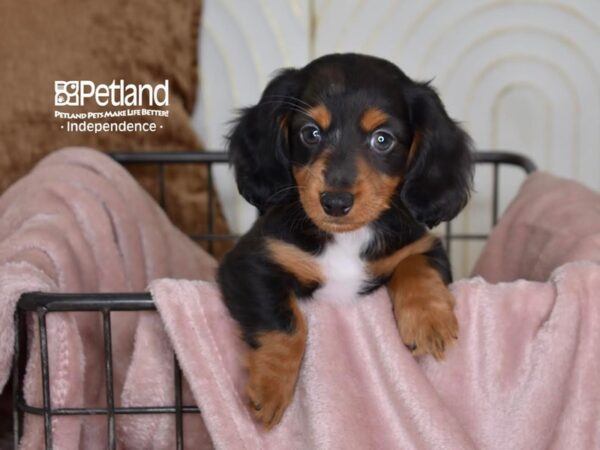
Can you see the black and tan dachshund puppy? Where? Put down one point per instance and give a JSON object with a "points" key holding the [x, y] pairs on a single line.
{"points": [[349, 162]]}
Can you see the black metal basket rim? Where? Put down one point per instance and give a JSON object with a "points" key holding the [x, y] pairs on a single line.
{"points": [[220, 156], [104, 411], [505, 157], [41, 303], [165, 157], [115, 301]]}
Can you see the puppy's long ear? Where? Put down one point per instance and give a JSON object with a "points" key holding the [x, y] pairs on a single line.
{"points": [[439, 178], [258, 144]]}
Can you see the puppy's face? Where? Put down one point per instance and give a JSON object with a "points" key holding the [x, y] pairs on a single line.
{"points": [[349, 144], [354, 136]]}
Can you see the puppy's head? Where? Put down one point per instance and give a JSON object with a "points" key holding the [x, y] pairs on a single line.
{"points": [[351, 136]]}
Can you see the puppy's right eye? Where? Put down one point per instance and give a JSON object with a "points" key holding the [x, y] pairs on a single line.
{"points": [[310, 135]]}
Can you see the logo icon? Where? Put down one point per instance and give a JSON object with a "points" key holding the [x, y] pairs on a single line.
{"points": [[66, 93], [117, 93]]}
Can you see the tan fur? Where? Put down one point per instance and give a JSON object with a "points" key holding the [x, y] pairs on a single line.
{"points": [[423, 307], [283, 126], [321, 115], [372, 191], [372, 118], [311, 183], [414, 145], [385, 266], [273, 370], [295, 261]]}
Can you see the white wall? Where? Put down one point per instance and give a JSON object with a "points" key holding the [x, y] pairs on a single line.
{"points": [[242, 43], [520, 75]]}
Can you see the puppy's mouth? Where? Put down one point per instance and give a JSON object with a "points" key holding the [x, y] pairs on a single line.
{"points": [[363, 213], [333, 225], [336, 221], [357, 218]]}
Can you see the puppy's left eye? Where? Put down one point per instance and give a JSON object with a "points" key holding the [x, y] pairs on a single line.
{"points": [[310, 135], [382, 141]]}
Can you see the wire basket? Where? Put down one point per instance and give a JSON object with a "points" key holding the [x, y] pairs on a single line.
{"points": [[41, 304]]}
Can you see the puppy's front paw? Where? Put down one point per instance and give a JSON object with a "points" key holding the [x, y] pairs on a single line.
{"points": [[269, 397], [273, 371], [428, 325]]}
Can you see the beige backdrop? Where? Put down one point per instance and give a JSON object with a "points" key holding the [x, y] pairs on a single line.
{"points": [[521, 75]]}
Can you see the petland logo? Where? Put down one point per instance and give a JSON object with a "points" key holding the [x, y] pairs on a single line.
{"points": [[111, 108], [117, 93]]}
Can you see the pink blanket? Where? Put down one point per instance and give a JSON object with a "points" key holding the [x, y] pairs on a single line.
{"points": [[79, 223], [523, 374], [551, 221]]}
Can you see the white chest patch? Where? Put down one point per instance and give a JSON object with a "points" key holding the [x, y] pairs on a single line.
{"points": [[342, 267]]}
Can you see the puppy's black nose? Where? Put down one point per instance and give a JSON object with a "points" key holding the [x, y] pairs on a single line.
{"points": [[337, 203]]}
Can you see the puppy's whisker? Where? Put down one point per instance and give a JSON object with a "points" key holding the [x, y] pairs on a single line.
{"points": [[400, 208], [280, 191], [289, 97], [297, 219], [311, 172], [295, 106], [299, 111]]}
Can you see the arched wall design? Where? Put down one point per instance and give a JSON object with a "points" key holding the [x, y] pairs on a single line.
{"points": [[242, 42], [522, 75]]}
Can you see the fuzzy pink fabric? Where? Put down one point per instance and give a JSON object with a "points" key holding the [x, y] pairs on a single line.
{"points": [[79, 223], [550, 222], [524, 373]]}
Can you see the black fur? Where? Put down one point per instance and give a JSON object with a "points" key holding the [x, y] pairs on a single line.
{"points": [[264, 146], [439, 180], [257, 147], [256, 290]]}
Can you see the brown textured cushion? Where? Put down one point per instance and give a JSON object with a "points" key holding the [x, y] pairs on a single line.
{"points": [[139, 41]]}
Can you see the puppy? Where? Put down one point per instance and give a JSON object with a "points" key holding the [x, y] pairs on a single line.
{"points": [[349, 162]]}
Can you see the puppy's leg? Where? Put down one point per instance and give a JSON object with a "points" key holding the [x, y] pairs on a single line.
{"points": [[273, 369], [260, 294], [423, 305]]}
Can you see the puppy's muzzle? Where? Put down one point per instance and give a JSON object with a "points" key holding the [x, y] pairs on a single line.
{"points": [[337, 204]]}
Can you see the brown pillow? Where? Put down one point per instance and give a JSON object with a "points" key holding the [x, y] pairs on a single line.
{"points": [[138, 41]]}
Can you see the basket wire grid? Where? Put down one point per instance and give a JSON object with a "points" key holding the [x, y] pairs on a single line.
{"points": [[41, 304]]}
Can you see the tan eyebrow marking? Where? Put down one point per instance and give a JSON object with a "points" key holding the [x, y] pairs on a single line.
{"points": [[372, 118], [321, 115]]}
